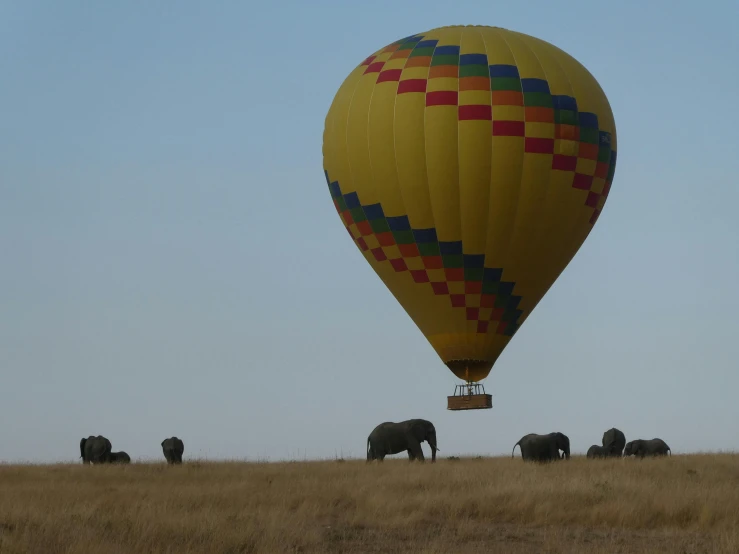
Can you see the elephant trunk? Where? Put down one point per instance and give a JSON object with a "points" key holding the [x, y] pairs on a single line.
{"points": [[434, 448]]}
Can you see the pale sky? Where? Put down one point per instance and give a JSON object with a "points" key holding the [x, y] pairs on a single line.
{"points": [[172, 264]]}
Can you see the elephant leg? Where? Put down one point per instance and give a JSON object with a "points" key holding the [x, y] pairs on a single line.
{"points": [[416, 450], [411, 457]]}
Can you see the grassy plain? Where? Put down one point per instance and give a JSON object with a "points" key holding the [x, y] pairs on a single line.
{"points": [[684, 505]]}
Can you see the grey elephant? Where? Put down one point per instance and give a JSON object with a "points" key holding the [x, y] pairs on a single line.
{"points": [[614, 442], [641, 448], [543, 448], [392, 438], [596, 451], [95, 450], [173, 449], [120, 458]]}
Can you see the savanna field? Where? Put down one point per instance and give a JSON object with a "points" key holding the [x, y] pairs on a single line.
{"points": [[684, 504]]}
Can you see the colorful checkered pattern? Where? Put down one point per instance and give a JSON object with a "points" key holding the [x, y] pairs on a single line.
{"points": [[594, 158], [442, 266]]}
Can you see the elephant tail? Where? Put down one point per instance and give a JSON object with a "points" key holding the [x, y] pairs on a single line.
{"points": [[514, 448]]}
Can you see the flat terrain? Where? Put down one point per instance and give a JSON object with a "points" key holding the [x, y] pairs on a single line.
{"points": [[683, 505]]}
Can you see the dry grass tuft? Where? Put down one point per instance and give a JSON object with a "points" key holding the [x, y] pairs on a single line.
{"points": [[684, 504]]}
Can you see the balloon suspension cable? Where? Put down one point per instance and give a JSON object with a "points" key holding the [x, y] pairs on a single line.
{"points": [[469, 388], [471, 384]]}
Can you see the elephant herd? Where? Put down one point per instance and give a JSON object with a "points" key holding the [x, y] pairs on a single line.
{"points": [[614, 444], [406, 436], [392, 438], [98, 450], [545, 448]]}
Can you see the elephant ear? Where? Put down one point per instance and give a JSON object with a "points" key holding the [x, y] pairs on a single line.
{"points": [[418, 430]]}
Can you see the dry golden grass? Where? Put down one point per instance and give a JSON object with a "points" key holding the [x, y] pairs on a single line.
{"points": [[684, 504]]}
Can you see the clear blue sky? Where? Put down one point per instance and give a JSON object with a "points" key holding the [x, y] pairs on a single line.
{"points": [[171, 262]]}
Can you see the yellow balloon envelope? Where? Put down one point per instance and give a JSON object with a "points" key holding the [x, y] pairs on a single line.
{"points": [[469, 164]]}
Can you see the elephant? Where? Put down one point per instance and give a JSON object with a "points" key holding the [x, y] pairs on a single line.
{"points": [[596, 451], [120, 458], [543, 448], [641, 448], [614, 442], [95, 450], [173, 449], [391, 438]]}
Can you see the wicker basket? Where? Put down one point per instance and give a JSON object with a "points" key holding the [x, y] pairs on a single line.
{"points": [[469, 402]]}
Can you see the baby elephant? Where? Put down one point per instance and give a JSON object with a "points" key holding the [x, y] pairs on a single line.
{"points": [[120, 458], [641, 448], [596, 451]]}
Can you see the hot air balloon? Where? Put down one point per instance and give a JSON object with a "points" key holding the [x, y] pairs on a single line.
{"points": [[469, 164]]}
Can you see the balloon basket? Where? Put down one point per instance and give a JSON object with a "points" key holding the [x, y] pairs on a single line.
{"points": [[470, 396]]}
